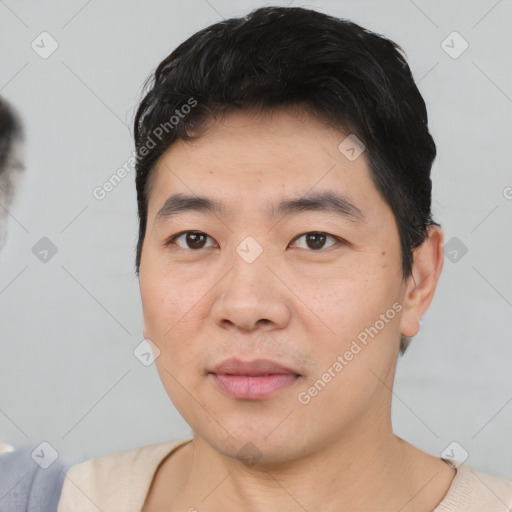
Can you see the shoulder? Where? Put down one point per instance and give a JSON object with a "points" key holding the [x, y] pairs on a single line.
{"points": [[474, 490], [29, 483], [118, 481]]}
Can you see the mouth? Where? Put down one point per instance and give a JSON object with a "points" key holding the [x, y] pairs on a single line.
{"points": [[252, 380]]}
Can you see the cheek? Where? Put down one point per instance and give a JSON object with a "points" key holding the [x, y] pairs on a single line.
{"points": [[357, 313], [170, 301], [348, 296], [172, 320]]}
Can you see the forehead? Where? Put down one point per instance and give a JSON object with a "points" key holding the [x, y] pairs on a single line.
{"points": [[262, 157]]}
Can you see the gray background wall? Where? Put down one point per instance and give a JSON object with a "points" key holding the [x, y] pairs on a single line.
{"points": [[69, 325]]}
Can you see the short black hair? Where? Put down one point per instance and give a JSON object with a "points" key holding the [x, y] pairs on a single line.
{"points": [[11, 131], [343, 74]]}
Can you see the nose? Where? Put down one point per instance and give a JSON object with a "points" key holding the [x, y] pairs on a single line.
{"points": [[252, 296]]}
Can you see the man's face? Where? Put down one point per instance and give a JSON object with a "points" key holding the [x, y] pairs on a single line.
{"points": [[298, 289]]}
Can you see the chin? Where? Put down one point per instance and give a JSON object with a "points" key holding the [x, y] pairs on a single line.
{"points": [[256, 448]]}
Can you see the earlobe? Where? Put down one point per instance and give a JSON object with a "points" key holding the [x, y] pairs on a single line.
{"points": [[421, 284]]}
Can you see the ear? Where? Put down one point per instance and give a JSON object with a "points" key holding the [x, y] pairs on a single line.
{"points": [[422, 282]]}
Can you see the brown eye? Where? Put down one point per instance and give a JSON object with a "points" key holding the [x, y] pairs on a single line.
{"points": [[316, 239], [195, 240], [192, 240]]}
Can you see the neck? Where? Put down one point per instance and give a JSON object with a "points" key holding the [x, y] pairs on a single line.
{"points": [[369, 470]]}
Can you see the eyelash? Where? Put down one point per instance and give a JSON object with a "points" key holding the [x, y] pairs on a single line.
{"points": [[171, 240]]}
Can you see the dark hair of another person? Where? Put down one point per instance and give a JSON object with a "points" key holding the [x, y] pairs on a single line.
{"points": [[333, 69], [11, 132]]}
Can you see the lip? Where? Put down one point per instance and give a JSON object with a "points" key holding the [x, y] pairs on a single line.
{"points": [[254, 368], [252, 380]]}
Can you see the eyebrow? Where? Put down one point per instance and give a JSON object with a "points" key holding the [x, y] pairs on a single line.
{"points": [[325, 201]]}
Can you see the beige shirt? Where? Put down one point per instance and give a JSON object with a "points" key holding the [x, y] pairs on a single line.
{"points": [[120, 483]]}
